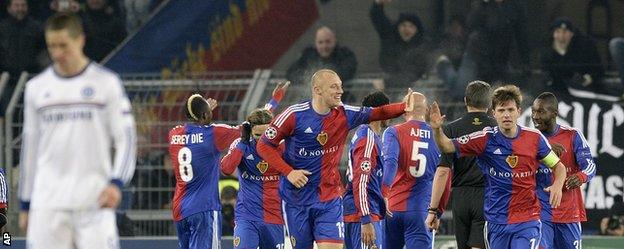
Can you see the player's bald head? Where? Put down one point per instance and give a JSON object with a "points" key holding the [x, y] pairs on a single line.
{"points": [[323, 76], [420, 103]]}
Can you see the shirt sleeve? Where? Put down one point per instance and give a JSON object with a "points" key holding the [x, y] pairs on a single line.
{"points": [[390, 155], [357, 115], [224, 135], [3, 190], [364, 155], [280, 128], [275, 100], [473, 144], [123, 131], [28, 155], [232, 159], [545, 153], [583, 156]]}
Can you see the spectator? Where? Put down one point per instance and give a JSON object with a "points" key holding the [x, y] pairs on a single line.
{"points": [[614, 224], [571, 57], [104, 29], [228, 202], [21, 40], [493, 25], [451, 50], [403, 52], [325, 54], [616, 47], [137, 12]]}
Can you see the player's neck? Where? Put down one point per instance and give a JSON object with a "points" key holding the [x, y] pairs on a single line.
{"points": [[71, 69], [552, 128], [376, 127], [473, 109], [415, 117], [510, 133], [319, 106]]}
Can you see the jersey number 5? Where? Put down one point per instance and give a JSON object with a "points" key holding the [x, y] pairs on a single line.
{"points": [[421, 159], [184, 160]]}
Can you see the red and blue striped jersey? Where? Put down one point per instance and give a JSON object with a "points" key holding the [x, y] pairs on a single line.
{"points": [[258, 198], [195, 151], [410, 157], [363, 201], [578, 160], [509, 166], [315, 142]]}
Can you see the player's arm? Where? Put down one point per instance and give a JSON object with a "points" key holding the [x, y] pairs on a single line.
{"points": [[584, 159], [28, 156], [364, 153], [3, 201], [548, 157], [441, 185], [390, 156], [233, 158], [436, 119], [280, 128], [277, 96]]}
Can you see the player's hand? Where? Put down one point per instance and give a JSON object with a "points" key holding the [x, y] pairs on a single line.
{"points": [[298, 177], [388, 212], [558, 148], [436, 119], [573, 181], [368, 234], [555, 196], [212, 103], [279, 90], [409, 100], [432, 222], [110, 197], [23, 221]]}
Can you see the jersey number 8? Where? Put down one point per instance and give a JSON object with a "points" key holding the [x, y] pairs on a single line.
{"points": [[184, 159], [419, 170]]}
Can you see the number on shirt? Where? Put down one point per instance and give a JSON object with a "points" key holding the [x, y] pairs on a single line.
{"points": [[418, 171], [340, 226], [184, 159], [533, 244], [280, 246], [577, 244]]}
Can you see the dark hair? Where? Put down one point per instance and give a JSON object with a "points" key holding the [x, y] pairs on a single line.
{"points": [[68, 21], [478, 94], [259, 116], [196, 106], [228, 193], [549, 98], [375, 99], [506, 93]]}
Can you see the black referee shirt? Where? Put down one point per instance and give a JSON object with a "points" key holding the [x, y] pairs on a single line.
{"points": [[466, 172]]}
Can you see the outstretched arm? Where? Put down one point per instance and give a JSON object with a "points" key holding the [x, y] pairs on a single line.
{"points": [[436, 120], [276, 97]]}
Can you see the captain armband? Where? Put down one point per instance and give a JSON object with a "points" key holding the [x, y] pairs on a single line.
{"points": [[550, 160]]}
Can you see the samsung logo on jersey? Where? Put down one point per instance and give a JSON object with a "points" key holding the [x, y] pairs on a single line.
{"points": [[495, 173], [314, 153], [270, 178], [67, 116]]}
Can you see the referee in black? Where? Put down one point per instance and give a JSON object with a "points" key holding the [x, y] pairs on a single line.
{"points": [[467, 180]]}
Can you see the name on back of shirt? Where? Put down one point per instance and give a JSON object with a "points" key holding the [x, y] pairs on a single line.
{"points": [[420, 133], [193, 138]]}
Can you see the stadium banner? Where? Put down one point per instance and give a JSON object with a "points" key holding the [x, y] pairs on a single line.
{"points": [[602, 122], [192, 36]]}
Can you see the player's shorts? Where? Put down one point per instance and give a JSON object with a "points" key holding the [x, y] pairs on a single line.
{"points": [[257, 234], [525, 235], [321, 222], [407, 228], [353, 235], [56, 229], [200, 230], [468, 216], [560, 235]]}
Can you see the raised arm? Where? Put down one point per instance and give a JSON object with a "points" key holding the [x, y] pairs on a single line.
{"points": [[276, 97], [436, 119]]}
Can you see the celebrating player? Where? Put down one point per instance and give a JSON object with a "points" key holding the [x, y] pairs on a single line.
{"points": [[195, 148], [314, 133], [410, 158], [364, 206], [73, 110], [259, 222], [509, 156], [561, 227]]}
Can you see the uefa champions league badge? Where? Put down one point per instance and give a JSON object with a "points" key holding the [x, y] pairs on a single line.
{"points": [[365, 166], [87, 92]]}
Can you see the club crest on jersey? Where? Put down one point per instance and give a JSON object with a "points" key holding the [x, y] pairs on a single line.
{"points": [[270, 133], [512, 160], [476, 121], [262, 166], [463, 139], [366, 166], [87, 92], [322, 138], [236, 241]]}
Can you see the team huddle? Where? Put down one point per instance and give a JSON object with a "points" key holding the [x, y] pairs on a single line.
{"points": [[288, 169]]}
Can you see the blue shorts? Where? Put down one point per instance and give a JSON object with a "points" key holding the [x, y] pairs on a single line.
{"points": [[407, 228], [353, 235], [254, 234], [525, 235], [200, 230], [320, 222], [560, 235]]}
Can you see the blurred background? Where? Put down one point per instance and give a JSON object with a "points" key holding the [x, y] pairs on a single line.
{"points": [[237, 50]]}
